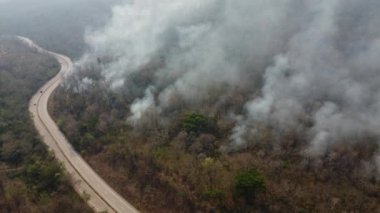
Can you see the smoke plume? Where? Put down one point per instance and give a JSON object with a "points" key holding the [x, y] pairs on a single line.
{"points": [[302, 64]]}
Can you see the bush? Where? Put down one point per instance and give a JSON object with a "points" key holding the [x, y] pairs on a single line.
{"points": [[197, 123], [213, 194], [43, 176], [249, 183]]}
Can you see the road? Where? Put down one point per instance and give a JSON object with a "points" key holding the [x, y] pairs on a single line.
{"points": [[99, 195]]}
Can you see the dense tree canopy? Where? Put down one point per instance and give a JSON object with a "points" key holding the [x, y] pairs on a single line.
{"points": [[31, 180]]}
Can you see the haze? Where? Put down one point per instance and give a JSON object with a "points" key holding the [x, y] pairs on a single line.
{"points": [[55, 24]]}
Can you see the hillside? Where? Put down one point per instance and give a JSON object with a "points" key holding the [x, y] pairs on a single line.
{"points": [[232, 106], [185, 162]]}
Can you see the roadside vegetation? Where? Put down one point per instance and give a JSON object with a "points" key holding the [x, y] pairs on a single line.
{"points": [[30, 178]]}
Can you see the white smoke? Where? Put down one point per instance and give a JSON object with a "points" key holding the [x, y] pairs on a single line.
{"points": [[141, 106], [298, 59]]}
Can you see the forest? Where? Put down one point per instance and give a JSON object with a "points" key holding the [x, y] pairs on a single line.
{"points": [[185, 162], [197, 106], [31, 180], [231, 106]]}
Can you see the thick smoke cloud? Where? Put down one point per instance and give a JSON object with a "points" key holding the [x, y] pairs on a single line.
{"points": [[302, 64], [328, 68]]}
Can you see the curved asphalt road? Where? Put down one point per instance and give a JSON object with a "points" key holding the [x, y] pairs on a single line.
{"points": [[101, 197]]}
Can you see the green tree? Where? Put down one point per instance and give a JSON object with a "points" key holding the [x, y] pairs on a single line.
{"points": [[249, 183], [43, 176], [197, 123]]}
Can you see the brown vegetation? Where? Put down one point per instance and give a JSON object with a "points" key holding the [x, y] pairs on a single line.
{"points": [[185, 165]]}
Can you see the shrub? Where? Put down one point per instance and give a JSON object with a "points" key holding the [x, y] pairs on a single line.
{"points": [[213, 194], [43, 176], [249, 183], [197, 123]]}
